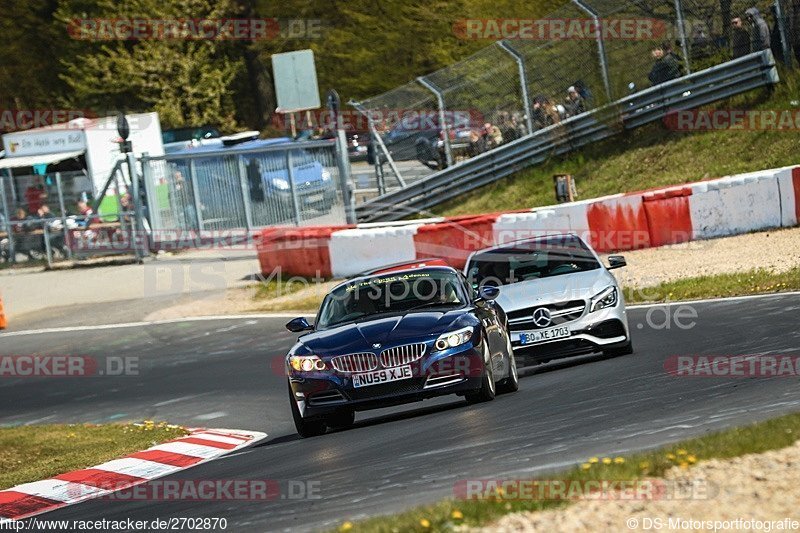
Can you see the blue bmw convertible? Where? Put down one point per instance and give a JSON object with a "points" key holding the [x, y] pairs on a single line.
{"points": [[395, 336]]}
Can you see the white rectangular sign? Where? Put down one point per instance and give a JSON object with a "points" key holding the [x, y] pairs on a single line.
{"points": [[295, 78], [43, 142]]}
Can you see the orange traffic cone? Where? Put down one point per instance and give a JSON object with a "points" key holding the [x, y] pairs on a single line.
{"points": [[3, 321]]}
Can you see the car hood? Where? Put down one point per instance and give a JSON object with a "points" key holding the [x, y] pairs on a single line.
{"points": [[578, 286], [389, 331]]}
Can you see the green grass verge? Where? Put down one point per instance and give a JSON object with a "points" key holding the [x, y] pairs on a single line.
{"points": [[444, 515], [757, 281], [651, 156], [291, 294], [32, 453]]}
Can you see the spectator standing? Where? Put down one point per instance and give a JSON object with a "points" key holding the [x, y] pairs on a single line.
{"points": [[666, 66], [584, 91], [574, 103], [35, 196], [544, 112], [740, 38], [759, 31], [87, 213], [22, 226], [55, 235]]}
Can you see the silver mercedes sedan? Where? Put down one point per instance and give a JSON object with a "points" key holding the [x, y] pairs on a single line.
{"points": [[560, 299]]}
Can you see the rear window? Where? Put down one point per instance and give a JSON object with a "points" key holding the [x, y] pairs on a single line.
{"points": [[531, 260]]}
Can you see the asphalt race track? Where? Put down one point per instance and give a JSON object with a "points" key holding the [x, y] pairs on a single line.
{"points": [[218, 373]]}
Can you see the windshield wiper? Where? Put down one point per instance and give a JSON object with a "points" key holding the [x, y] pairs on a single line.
{"points": [[431, 304]]}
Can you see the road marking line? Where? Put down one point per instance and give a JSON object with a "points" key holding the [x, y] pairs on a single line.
{"points": [[121, 325], [714, 300]]}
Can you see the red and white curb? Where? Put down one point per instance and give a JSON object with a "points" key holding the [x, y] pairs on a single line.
{"points": [[200, 446]]}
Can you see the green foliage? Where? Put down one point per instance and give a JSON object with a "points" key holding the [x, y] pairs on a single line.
{"points": [[365, 47], [186, 81]]}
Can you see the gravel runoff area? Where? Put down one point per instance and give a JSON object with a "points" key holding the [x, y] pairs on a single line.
{"points": [[755, 487], [777, 250]]}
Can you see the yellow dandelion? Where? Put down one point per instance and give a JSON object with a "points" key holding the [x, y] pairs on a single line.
{"points": [[684, 465], [457, 515], [585, 466], [691, 459], [671, 456], [619, 460], [347, 526], [606, 460], [425, 523], [593, 460], [681, 451]]}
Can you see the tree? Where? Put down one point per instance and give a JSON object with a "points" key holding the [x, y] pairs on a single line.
{"points": [[186, 81]]}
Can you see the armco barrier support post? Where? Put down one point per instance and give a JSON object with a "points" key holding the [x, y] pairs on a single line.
{"points": [[343, 163], [442, 122], [682, 36], [523, 81], [292, 188], [601, 47]]}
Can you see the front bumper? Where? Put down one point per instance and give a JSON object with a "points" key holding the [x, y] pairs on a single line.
{"points": [[592, 332], [454, 371]]}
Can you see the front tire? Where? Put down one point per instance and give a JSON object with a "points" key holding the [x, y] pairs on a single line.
{"points": [[487, 391], [305, 427], [511, 383]]}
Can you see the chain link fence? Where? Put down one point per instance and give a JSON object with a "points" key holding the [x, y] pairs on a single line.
{"points": [[540, 72], [224, 190], [51, 218]]}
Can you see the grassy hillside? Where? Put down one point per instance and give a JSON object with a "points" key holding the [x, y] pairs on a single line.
{"points": [[648, 157]]}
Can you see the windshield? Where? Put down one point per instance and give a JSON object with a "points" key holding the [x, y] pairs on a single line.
{"points": [[391, 293], [531, 260]]}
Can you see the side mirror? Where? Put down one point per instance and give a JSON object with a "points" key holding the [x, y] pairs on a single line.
{"points": [[487, 293], [296, 325], [616, 261]]}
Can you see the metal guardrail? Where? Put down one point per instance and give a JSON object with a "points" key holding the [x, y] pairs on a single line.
{"points": [[701, 88]]}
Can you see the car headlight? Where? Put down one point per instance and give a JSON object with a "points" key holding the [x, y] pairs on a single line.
{"points": [[280, 184], [605, 298], [326, 175], [454, 338], [307, 363]]}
